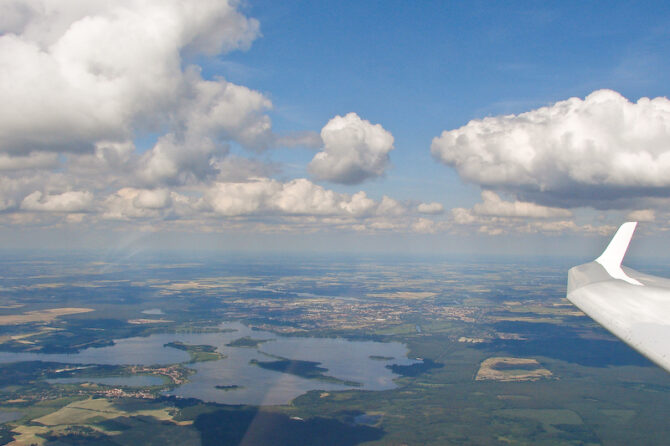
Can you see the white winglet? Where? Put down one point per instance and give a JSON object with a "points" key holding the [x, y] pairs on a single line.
{"points": [[638, 315], [613, 255]]}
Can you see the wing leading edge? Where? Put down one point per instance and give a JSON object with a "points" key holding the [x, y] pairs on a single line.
{"points": [[633, 306]]}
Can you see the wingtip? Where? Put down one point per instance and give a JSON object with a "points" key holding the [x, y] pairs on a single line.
{"points": [[613, 255]]}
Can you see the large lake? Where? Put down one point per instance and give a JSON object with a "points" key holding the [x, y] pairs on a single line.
{"points": [[345, 360]]}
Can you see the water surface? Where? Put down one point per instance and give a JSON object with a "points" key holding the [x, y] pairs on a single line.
{"points": [[9, 416], [345, 360]]}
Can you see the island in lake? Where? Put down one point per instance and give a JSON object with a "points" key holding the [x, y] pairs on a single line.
{"points": [[303, 369], [198, 353], [381, 358], [230, 387], [246, 341]]}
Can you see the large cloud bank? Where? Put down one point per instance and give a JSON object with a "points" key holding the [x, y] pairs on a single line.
{"points": [[81, 81], [354, 150], [79, 72], [598, 151]]}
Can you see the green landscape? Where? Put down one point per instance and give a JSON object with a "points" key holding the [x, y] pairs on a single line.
{"points": [[198, 353], [506, 361]]}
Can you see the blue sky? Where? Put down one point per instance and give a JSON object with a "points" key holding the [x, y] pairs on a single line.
{"points": [[319, 125], [419, 68]]}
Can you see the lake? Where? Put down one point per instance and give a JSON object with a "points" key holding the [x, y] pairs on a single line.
{"points": [[345, 360]]}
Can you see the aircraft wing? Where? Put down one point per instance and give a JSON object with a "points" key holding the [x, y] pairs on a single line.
{"points": [[632, 305]]}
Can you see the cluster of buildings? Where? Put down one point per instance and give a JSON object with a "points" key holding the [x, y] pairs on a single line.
{"points": [[289, 316], [177, 374]]}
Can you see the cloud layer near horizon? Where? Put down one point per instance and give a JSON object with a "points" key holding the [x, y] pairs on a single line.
{"points": [[495, 216]]}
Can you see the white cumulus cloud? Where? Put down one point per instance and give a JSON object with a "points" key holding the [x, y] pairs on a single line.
{"points": [[130, 203], [390, 207], [593, 151], [230, 199], [354, 150], [76, 73], [495, 216], [33, 160], [645, 215], [430, 208], [109, 120], [295, 197], [71, 201]]}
